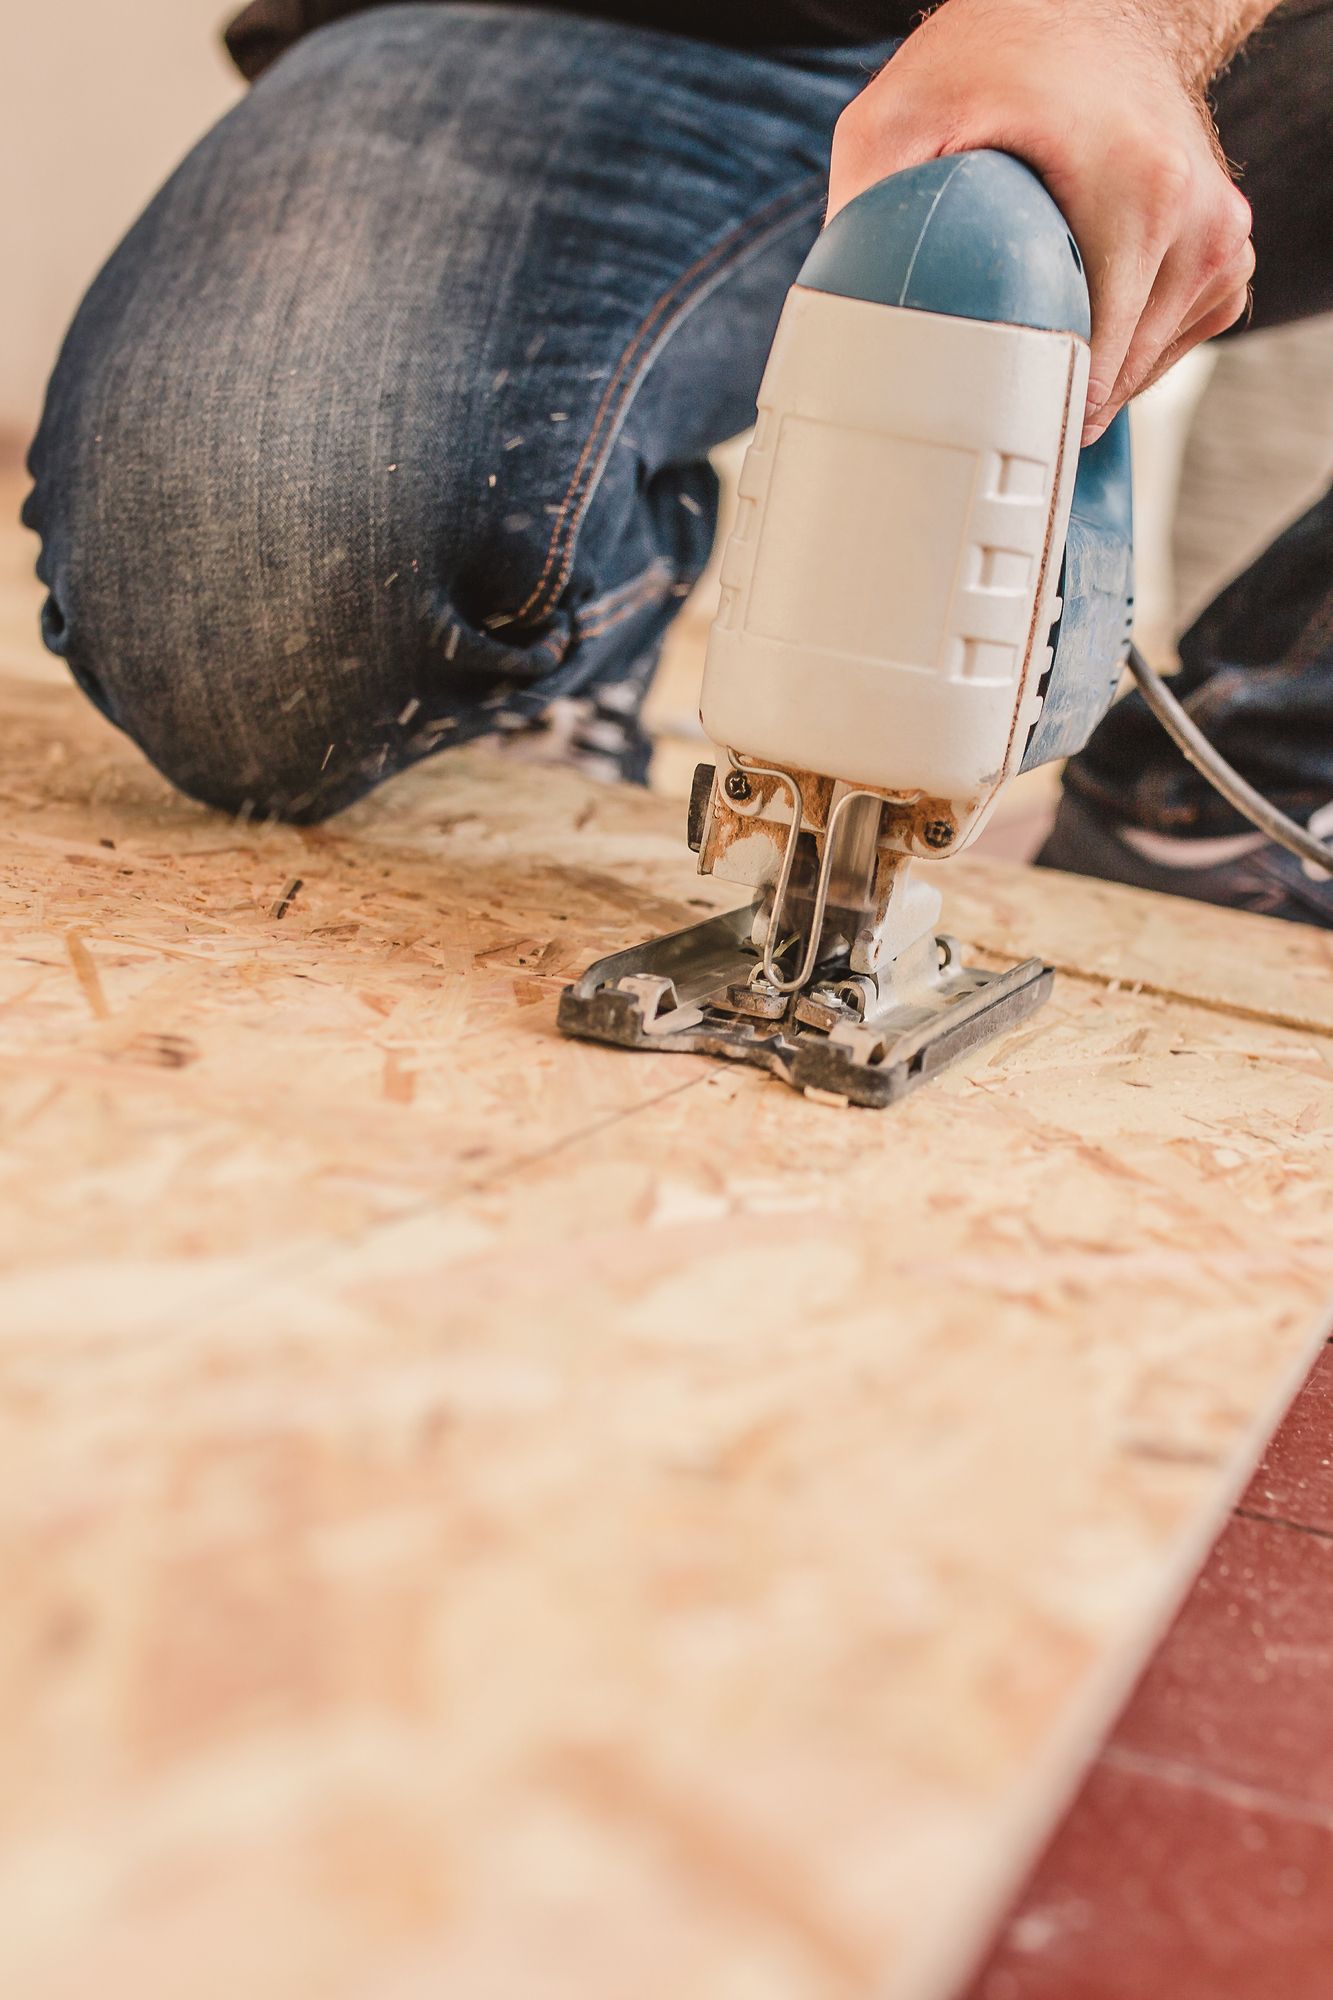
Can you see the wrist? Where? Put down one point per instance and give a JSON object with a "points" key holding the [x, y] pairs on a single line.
{"points": [[1025, 74], [1192, 39]]}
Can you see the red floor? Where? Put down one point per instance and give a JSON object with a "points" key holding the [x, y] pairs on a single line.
{"points": [[1197, 1862]]}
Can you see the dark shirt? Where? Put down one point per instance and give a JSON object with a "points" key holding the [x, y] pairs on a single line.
{"points": [[267, 27]]}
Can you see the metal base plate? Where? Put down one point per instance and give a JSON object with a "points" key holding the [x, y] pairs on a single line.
{"points": [[890, 1057]]}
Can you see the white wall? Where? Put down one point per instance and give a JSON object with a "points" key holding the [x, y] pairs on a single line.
{"points": [[98, 101]]}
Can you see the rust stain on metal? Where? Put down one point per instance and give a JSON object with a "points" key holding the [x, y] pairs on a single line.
{"points": [[912, 823]]}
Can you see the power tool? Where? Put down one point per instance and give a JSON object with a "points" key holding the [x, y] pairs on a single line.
{"points": [[927, 590]]}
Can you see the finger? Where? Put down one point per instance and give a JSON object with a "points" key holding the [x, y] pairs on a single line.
{"points": [[1124, 294], [1148, 364], [1138, 221], [1206, 327], [1191, 287], [1204, 272]]}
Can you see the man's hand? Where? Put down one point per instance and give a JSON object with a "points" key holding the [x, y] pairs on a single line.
{"points": [[1105, 102]]}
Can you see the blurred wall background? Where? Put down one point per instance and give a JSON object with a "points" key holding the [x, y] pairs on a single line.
{"points": [[98, 101]]}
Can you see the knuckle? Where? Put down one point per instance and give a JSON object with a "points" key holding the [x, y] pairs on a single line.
{"points": [[1212, 262], [1160, 180], [1169, 172], [1226, 252], [1239, 211], [1232, 222]]}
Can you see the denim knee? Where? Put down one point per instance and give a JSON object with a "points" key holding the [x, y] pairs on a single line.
{"points": [[251, 664], [281, 615], [353, 448]]}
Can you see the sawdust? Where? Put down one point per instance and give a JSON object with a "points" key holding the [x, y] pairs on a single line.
{"points": [[470, 1500]]}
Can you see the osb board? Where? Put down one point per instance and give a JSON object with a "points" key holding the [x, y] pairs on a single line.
{"points": [[492, 1517], [1161, 944]]}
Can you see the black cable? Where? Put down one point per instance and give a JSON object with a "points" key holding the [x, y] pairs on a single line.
{"points": [[1191, 740]]}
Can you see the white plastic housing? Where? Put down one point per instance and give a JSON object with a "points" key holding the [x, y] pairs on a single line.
{"points": [[890, 582]]}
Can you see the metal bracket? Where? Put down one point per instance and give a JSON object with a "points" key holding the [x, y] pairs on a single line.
{"points": [[673, 993]]}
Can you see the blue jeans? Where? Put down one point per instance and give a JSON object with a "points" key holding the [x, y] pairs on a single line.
{"points": [[389, 418]]}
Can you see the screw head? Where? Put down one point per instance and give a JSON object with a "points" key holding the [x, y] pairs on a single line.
{"points": [[737, 786], [937, 833]]}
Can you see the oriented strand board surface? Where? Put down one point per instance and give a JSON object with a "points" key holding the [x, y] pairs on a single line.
{"points": [[492, 1517], [1164, 945]]}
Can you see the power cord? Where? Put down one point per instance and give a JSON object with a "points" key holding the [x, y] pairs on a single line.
{"points": [[1191, 740]]}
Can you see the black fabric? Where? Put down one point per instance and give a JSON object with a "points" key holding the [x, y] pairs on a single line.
{"points": [[1263, 878], [1274, 112], [259, 35], [1257, 666], [1257, 676]]}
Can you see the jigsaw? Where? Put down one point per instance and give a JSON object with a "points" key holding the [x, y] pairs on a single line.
{"points": [[928, 589]]}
